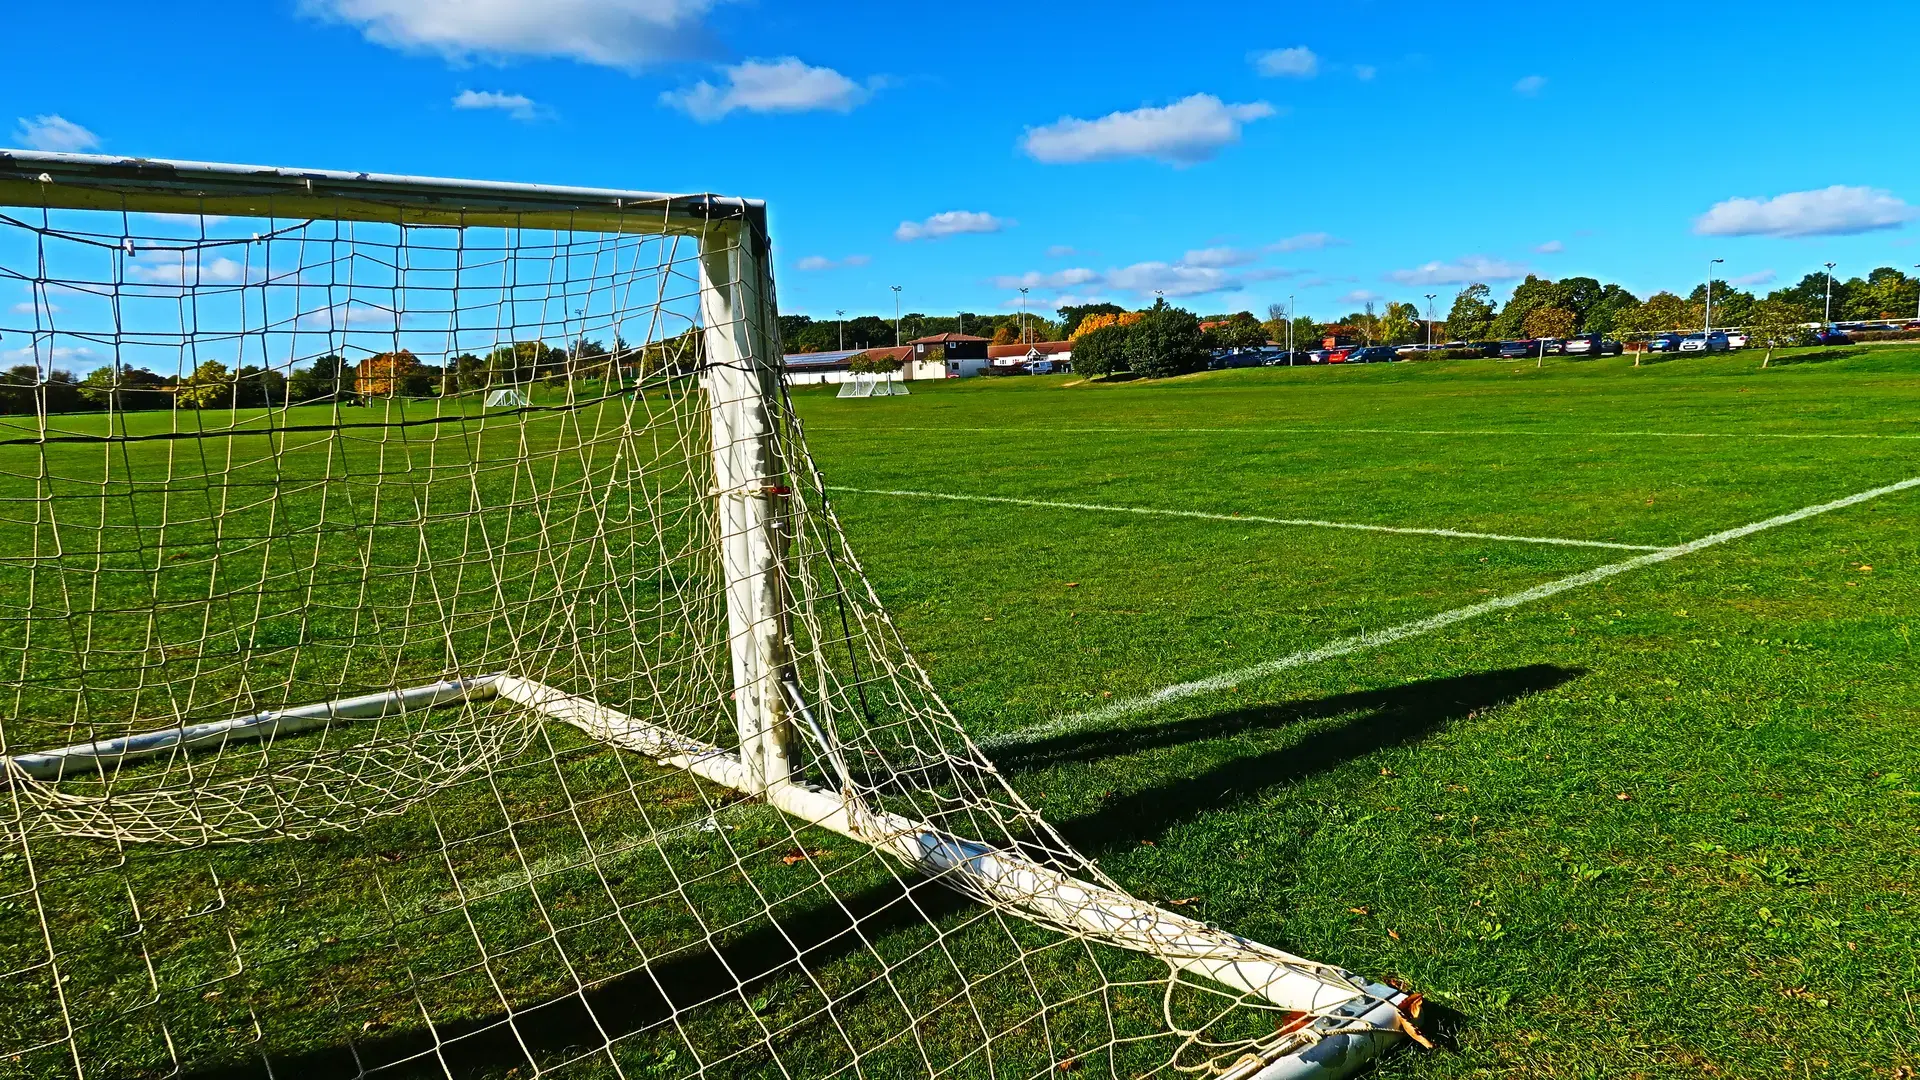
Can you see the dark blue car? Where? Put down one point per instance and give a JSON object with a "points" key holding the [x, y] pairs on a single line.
{"points": [[1831, 336], [1664, 343]]}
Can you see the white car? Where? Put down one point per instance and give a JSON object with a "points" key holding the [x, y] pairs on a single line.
{"points": [[1736, 340]]}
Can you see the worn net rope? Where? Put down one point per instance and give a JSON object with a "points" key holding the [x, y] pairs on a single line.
{"points": [[466, 886]]}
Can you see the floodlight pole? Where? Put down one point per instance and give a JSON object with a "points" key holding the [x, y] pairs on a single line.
{"points": [[1708, 329], [1916, 303], [896, 315], [1289, 329], [1829, 318], [1023, 314], [841, 314], [1430, 297]]}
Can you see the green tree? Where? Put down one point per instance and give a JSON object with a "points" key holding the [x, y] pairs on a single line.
{"points": [[1535, 292], [1777, 324], [1101, 352], [1237, 331], [1167, 342], [1885, 294], [1550, 322], [1306, 332], [1603, 316], [1731, 306], [1472, 315], [1072, 315], [1579, 295], [1398, 324], [1810, 294], [210, 384], [1663, 311], [326, 376]]}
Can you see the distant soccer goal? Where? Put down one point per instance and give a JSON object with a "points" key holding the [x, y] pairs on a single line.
{"points": [[353, 730], [872, 385]]}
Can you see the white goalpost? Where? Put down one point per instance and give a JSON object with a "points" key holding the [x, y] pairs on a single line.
{"points": [[353, 730]]}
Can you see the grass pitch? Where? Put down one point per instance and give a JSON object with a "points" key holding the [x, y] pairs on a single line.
{"points": [[1664, 825]]}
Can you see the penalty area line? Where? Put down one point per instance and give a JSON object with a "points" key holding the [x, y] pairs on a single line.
{"points": [[1308, 523], [1376, 639], [1532, 433]]}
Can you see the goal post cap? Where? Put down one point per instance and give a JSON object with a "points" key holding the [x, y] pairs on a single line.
{"points": [[156, 185]]}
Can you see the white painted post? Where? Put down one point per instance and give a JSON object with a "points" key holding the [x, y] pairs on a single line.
{"points": [[742, 381]]}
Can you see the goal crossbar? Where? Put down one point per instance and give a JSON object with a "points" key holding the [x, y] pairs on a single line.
{"points": [[1354, 1019], [157, 185]]}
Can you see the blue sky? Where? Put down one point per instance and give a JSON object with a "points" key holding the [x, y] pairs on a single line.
{"points": [[1228, 156]]}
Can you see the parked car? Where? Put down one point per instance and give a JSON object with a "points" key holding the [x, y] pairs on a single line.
{"points": [[1586, 345], [1319, 356], [1373, 354], [1664, 343], [1340, 355], [1736, 339], [1518, 350], [1831, 336], [1707, 343], [1488, 349], [1553, 347], [1410, 351]]}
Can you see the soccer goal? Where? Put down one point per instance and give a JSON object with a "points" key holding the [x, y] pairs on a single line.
{"points": [[507, 397], [353, 730], [872, 385]]}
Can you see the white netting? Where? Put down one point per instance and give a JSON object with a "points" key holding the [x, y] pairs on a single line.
{"points": [[364, 601]]}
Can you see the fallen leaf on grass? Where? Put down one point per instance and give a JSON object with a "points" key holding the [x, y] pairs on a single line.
{"points": [[1623, 796], [1185, 902], [1359, 910]]}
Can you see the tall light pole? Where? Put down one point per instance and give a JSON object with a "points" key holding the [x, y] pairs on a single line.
{"points": [[1916, 303], [896, 315], [1430, 297], [1289, 329], [841, 313], [1023, 314], [1710, 265], [1829, 294]]}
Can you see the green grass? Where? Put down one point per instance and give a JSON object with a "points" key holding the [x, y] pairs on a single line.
{"points": [[1659, 826], [1445, 811]]}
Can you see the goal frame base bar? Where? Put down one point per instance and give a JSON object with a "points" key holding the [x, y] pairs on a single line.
{"points": [[1355, 1020]]}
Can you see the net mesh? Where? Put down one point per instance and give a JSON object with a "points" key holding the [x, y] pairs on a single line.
{"points": [[377, 572]]}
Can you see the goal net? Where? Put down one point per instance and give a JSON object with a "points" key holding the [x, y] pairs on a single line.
{"points": [[352, 727], [866, 385]]}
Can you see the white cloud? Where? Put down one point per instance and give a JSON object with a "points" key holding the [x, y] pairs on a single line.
{"points": [[177, 267], [951, 223], [1219, 257], [1365, 72], [38, 308], [1186, 132], [1758, 277], [1530, 86], [1298, 62], [1180, 279], [55, 133], [1312, 241], [1061, 251], [1551, 247], [1076, 299], [1460, 272], [614, 33], [786, 85], [518, 106], [1835, 211], [40, 356], [354, 315], [1360, 296], [1059, 279], [821, 262]]}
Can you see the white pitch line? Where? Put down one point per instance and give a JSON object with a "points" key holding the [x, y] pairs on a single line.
{"points": [[1255, 518], [1406, 431], [1376, 639]]}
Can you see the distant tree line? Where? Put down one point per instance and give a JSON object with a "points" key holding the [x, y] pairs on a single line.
{"points": [[806, 334]]}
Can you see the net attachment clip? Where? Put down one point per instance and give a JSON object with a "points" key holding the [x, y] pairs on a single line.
{"points": [[758, 491]]}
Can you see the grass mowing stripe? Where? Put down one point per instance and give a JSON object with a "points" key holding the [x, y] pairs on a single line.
{"points": [[1362, 641], [1019, 429], [1205, 516]]}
